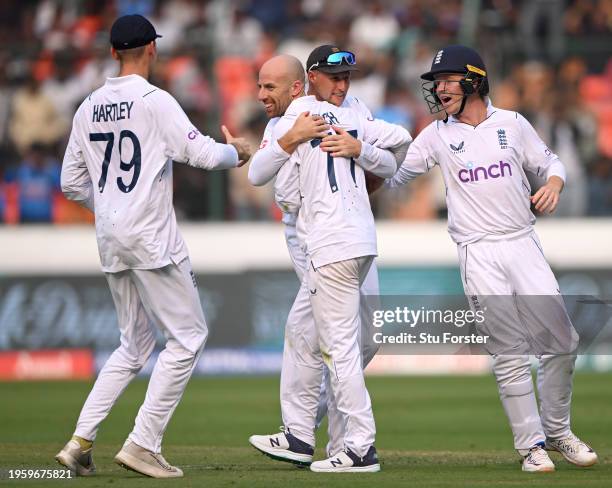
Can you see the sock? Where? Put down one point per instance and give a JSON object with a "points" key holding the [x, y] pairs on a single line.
{"points": [[84, 443]]}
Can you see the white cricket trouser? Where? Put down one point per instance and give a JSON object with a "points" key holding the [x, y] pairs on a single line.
{"points": [[168, 298], [335, 297], [492, 268], [336, 427], [305, 400]]}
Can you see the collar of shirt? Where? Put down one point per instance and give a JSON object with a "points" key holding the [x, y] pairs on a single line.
{"points": [[124, 79], [490, 110]]}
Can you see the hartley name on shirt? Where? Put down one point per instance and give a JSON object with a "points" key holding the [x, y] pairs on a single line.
{"points": [[111, 112]]}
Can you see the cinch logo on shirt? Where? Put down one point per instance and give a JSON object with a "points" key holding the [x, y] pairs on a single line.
{"points": [[478, 173], [193, 134]]}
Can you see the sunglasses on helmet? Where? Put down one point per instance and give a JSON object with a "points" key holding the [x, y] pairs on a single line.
{"points": [[335, 59]]}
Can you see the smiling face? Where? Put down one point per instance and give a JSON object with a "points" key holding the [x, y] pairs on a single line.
{"points": [[274, 93], [449, 91], [331, 87], [280, 81]]}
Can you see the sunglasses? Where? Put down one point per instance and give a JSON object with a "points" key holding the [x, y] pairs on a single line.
{"points": [[335, 59]]}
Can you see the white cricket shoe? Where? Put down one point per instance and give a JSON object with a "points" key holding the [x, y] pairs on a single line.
{"points": [[573, 450], [77, 459], [537, 461], [347, 461], [283, 446], [146, 462]]}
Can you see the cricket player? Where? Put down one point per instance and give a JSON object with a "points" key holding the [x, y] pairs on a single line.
{"points": [[483, 153], [281, 80], [118, 163], [302, 355]]}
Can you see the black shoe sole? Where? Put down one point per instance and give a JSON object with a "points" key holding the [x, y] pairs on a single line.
{"points": [[299, 464]]}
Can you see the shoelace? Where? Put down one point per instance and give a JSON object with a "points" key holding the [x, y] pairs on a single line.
{"points": [[162, 462], [346, 451], [537, 455], [572, 444]]}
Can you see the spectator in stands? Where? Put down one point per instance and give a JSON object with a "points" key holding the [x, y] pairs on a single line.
{"points": [[37, 181], [375, 28], [64, 88], [34, 118], [212, 49], [549, 46], [600, 188], [250, 202], [6, 95], [237, 34], [566, 129]]}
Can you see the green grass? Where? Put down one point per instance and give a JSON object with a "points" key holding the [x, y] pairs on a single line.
{"points": [[432, 432]]}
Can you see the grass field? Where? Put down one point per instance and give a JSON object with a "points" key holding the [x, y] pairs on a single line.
{"points": [[432, 432]]}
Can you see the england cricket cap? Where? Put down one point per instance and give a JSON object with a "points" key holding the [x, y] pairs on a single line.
{"points": [[132, 31], [456, 59], [331, 59]]}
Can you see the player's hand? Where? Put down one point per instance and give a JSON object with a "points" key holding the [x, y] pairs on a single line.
{"points": [[242, 146], [546, 198], [373, 182], [341, 144], [307, 127]]}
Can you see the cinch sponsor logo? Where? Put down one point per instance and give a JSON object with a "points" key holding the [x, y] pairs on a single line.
{"points": [[478, 173]]}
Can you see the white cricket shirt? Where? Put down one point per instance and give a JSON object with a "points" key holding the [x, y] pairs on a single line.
{"points": [[487, 191], [335, 221], [118, 163]]}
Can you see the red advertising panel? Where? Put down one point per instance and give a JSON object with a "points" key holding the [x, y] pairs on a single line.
{"points": [[58, 364]]}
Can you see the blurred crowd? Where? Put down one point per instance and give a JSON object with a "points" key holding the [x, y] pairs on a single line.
{"points": [[548, 59]]}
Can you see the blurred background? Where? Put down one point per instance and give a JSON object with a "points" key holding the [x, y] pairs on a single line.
{"points": [[548, 59]]}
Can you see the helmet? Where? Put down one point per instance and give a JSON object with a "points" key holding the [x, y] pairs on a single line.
{"points": [[455, 59]]}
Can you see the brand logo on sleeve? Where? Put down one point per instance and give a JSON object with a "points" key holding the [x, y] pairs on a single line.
{"points": [[458, 149], [474, 173], [263, 144], [192, 134]]}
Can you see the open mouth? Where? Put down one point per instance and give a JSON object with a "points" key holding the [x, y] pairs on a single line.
{"points": [[446, 99]]}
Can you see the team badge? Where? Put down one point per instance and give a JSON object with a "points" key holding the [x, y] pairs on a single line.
{"points": [[501, 138]]}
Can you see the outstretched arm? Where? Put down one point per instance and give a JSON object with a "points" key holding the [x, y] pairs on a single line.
{"points": [[185, 144], [419, 159], [375, 151]]}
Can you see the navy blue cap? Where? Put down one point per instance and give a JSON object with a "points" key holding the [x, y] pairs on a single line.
{"points": [[132, 31], [456, 59]]}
